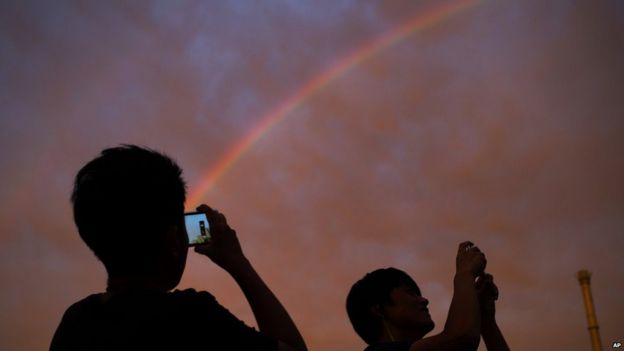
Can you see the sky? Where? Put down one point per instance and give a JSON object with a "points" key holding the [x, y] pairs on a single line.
{"points": [[499, 123]]}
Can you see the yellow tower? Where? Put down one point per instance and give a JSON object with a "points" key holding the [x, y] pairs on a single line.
{"points": [[584, 279]]}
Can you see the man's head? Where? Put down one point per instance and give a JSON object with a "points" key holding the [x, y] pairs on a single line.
{"points": [[129, 209], [387, 296]]}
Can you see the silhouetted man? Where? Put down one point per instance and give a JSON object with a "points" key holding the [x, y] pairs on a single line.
{"points": [[388, 311], [129, 209]]}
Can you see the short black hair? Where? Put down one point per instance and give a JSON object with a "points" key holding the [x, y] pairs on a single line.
{"points": [[124, 200], [373, 290]]}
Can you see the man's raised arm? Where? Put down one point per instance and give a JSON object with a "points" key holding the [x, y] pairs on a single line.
{"points": [[463, 324], [488, 294], [272, 318]]}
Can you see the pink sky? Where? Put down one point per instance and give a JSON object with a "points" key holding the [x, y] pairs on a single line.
{"points": [[502, 125]]}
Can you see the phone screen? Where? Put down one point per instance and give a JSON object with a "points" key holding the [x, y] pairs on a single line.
{"points": [[197, 228]]}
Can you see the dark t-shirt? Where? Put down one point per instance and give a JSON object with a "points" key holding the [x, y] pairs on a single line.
{"points": [[178, 320], [390, 346]]}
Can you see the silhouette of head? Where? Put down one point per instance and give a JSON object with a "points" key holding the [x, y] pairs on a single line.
{"points": [[387, 295], [129, 209]]}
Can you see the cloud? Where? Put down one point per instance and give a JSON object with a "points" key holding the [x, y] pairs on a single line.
{"points": [[500, 125]]}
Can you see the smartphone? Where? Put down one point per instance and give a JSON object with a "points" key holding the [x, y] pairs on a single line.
{"points": [[197, 228]]}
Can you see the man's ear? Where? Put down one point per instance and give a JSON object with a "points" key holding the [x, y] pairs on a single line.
{"points": [[174, 240], [377, 310]]}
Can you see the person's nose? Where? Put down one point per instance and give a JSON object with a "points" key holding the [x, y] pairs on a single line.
{"points": [[423, 301]]}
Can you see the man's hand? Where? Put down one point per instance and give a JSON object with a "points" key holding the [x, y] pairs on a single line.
{"points": [[487, 293], [223, 247], [470, 259]]}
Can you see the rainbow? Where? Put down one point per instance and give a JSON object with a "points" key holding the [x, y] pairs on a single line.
{"points": [[418, 22]]}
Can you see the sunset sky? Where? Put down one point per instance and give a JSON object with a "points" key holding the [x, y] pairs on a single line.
{"points": [[337, 137]]}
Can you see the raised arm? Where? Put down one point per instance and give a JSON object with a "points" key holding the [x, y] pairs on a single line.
{"points": [[463, 324], [224, 249], [488, 293]]}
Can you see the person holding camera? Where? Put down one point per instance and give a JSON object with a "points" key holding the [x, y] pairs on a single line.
{"points": [[128, 206], [388, 311]]}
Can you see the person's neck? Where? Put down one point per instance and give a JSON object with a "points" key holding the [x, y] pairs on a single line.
{"points": [[121, 284], [392, 334]]}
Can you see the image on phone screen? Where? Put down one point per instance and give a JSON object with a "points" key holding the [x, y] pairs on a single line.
{"points": [[197, 228]]}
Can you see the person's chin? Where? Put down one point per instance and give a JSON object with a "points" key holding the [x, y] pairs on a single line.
{"points": [[424, 325], [427, 326], [171, 280], [430, 325]]}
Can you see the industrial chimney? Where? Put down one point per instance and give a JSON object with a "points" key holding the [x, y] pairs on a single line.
{"points": [[584, 279]]}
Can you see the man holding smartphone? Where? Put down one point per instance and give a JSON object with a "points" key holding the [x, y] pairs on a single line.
{"points": [[113, 196], [388, 311]]}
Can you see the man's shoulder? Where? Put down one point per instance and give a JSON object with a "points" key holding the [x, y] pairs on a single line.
{"points": [[83, 306], [390, 346], [192, 294], [75, 321], [100, 302], [155, 319], [192, 298]]}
